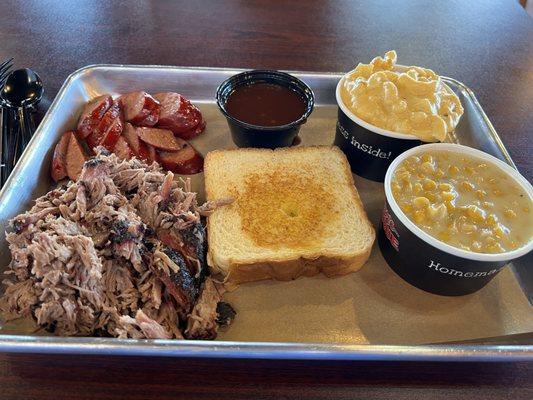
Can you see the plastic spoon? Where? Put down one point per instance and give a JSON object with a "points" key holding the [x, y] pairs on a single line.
{"points": [[23, 89]]}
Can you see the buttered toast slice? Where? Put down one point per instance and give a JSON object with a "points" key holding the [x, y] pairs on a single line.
{"points": [[296, 212]]}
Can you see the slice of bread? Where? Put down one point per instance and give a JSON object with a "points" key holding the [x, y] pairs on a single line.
{"points": [[296, 212]]}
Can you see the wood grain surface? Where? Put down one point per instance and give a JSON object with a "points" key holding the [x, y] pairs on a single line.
{"points": [[488, 45], [61, 377]]}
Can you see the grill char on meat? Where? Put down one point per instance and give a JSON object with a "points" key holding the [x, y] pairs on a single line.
{"points": [[120, 252]]}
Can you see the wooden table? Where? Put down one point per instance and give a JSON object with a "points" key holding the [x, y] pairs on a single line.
{"points": [[486, 44]]}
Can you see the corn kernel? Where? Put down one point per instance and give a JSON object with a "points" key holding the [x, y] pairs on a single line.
{"points": [[450, 206], [445, 187], [427, 167], [467, 186], [490, 240], [487, 204], [444, 236], [480, 194], [475, 213], [439, 173], [417, 188], [495, 248], [403, 175], [468, 228], [429, 184], [421, 202], [499, 231], [431, 197], [427, 158], [419, 216], [437, 212], [448, 196], [453, 170], [491, 220], [469, 170], [509, 213], [407, 208]]}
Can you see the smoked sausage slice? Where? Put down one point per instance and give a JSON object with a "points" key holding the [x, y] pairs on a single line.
{"points": [[178, 114], [92, 114], [140, 108]]}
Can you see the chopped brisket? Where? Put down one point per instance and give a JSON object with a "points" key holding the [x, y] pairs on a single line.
{"points": [[120, 252], [225, 313], [202, 321]]}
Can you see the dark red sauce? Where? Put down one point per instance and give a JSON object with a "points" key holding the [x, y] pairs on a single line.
{"points": [[265, 104]]}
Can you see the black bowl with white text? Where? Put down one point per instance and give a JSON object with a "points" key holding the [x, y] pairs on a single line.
{"points": [[369, 149], [428, 263]]}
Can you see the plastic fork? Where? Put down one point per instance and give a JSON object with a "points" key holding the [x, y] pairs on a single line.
{"points": [[4, 71]]}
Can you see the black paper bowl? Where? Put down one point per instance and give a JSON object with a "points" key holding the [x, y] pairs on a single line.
{"points": [[429, 263], [249, 135], [369, 149]]}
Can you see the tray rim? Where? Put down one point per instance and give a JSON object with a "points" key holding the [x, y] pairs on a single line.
{"points": [[255, 350], [264, 350]]}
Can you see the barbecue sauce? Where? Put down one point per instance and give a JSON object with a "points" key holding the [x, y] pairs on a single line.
{"points": [[265, 104]]}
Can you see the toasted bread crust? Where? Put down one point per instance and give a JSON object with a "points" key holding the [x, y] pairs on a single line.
{"points": [[327, 262]]}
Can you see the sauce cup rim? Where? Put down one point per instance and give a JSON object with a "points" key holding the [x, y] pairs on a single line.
{"points": [[309, 99], [440, 245]]}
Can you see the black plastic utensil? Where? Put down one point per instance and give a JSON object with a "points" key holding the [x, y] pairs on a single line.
{"points": [[5, 68], [22, 91]]}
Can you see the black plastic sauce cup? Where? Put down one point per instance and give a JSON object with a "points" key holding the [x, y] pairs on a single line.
{"points": [[248, 135]]}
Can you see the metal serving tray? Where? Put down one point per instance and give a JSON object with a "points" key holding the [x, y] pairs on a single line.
{"points": [[370, 315]]}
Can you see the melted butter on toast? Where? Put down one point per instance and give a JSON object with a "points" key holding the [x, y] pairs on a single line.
{"points": [[284, 208]]}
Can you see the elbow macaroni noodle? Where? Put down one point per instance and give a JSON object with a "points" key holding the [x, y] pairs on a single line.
{"points": [[414, 101]]}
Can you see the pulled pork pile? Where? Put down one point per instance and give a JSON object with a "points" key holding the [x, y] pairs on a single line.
{"points": [[120, 252]]}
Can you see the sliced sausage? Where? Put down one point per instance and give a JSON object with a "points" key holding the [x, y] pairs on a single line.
{"points": [[92, 114], [186, 161], [177, 113], [130, 134], [140, 108], [123, 149], [75, 157], [58, 168], [139, 148], [194, 132], [112, 134], [106, 123], [160, 138], [151, 153]]}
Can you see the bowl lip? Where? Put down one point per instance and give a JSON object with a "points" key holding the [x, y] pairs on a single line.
{"points": [[367, 125], [309, 100], [434, 242]]}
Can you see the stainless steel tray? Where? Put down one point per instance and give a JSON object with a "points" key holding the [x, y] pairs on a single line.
{"points": [[376, 317]]}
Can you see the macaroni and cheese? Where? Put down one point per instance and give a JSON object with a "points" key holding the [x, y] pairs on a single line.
{"points": [[412, 101]]}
